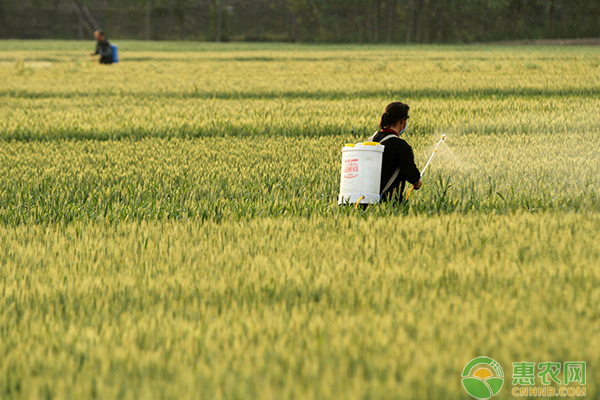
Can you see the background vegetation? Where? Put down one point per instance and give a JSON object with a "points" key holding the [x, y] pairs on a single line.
{"points": [[169, 227], [364, 21]]}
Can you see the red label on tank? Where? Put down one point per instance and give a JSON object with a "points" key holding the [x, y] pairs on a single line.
{"points": [[350, 166]]}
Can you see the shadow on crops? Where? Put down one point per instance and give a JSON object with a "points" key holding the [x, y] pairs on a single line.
{"points": [[316, 95], [226, 130]]}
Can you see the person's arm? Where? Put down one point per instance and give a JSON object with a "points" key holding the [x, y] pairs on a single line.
{"points": [[408, 164], [97, 51]]}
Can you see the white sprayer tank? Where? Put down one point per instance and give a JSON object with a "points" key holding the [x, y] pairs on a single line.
{"points": [[361, 173]]}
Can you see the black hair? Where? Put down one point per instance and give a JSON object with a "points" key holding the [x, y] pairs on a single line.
{"points": [[394, 112]]}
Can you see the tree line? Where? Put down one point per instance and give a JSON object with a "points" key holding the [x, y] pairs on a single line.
{"points": [[338, 21]]}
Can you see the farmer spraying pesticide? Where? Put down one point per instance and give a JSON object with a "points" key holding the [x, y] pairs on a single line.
{"points": [[378, 169], [104, 49], [398, 164]]}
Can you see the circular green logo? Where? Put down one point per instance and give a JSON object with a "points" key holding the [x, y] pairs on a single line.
{"points": [[482, 377]]}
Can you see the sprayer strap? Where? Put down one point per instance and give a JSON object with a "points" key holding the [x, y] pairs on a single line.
{"points": [[392, 179], [396, 172], [387, 137], [372, 137]]}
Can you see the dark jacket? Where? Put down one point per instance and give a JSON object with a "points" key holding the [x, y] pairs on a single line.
{"points": [[105, 50], [397, 153]]}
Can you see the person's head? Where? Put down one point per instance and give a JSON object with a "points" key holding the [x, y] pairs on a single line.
{"points": [[395, 115], [99, 35]]}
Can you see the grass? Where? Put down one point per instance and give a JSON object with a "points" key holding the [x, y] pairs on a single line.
{"points": [[169, 226]]}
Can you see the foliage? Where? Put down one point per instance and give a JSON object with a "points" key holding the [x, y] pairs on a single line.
{"points": [[364, 21]]}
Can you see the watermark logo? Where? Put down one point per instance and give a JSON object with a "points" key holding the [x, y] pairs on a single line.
{"points": [[482, 377], [525, 385]]}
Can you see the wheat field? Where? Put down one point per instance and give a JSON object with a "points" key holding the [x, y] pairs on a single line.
{"points": [[169, 226]]}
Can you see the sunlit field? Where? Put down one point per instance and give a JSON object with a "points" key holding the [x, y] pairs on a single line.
{"points": [[169, 225]]}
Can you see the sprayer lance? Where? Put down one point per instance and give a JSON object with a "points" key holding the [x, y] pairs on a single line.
{"points": [[428, 162], [433, 154]]}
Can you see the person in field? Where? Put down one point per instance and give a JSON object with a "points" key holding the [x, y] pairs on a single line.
{"points": [[103, 48], [398, 164]]}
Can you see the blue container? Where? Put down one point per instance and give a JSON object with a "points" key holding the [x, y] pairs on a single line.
{"points": [[115, 51]]}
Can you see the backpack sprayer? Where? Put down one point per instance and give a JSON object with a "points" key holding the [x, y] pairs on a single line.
{"points": [[428, 162], [361, 173]]}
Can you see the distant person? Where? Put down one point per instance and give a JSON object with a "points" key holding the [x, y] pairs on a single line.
{"points": [[398, 164], [103, 48]]}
